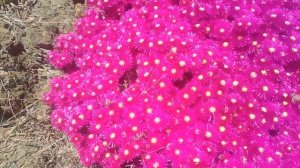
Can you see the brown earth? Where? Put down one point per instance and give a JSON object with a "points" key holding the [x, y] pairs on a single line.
{"points": [[27, 30]]}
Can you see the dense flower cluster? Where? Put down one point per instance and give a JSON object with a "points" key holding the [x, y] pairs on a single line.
{"points": [[189, 83]]}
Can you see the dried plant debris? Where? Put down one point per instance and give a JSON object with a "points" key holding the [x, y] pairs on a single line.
{"points": [[27, 30]]}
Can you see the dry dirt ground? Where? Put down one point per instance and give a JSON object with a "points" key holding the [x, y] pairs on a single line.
{"points": [[27, 30]]}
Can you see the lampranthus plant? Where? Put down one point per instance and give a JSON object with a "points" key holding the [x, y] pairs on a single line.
{"points": [[181, 83]]}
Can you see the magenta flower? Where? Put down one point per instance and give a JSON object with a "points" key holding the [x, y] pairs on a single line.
{"points": [[181, 83]]}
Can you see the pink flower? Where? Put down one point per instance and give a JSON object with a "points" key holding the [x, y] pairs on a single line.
{"points": [[180, 83]]}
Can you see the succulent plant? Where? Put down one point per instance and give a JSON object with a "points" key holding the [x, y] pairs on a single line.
{"points": [[189, 83]]}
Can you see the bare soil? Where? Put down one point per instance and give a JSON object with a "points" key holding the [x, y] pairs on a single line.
{"points": [[27, 31]]}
